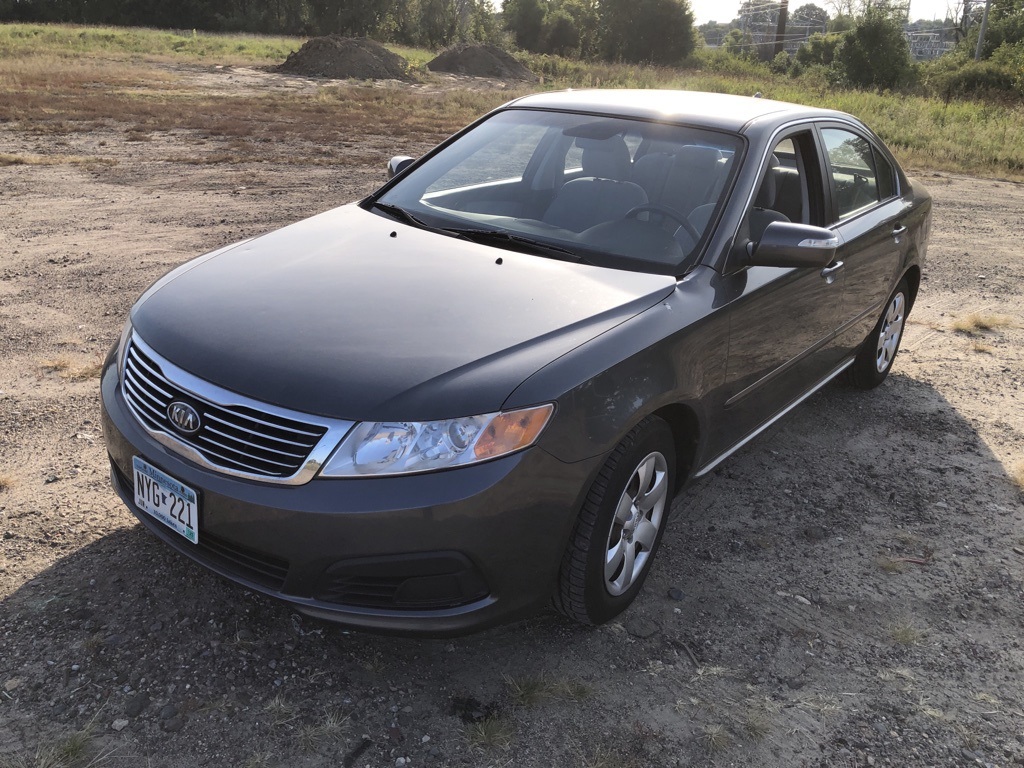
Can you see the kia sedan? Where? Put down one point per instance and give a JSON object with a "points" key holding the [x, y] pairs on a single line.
{"points": [[476, 392]]}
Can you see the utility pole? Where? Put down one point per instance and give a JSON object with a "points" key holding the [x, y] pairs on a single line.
{"points": [[780, 31], [981, 33]]}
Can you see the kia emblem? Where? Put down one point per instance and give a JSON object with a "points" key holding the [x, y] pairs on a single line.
{"points": [[183, 417]]}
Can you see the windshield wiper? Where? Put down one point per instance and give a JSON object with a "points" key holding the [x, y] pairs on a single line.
{"points": [[504, 239], [399, 213]]}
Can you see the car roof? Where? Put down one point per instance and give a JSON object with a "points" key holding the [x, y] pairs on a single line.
{"points": [[712, 110]]}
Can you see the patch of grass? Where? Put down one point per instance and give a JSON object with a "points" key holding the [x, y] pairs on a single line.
{"points": [[71, 372], [1017, 474], [715, 738], [933, 712], [529, 691], [6, 159], [260, 760], [757, 724], [280, 711], [71, 41], [6, 482], [981, 348], [905, 632], [889, 565], [494, 731], [977, 322], [707, 672], [328, 729], [57, 365], [73, 750], [84, 372]]}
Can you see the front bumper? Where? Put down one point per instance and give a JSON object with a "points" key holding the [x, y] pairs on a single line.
{"points": [[442, 553]]}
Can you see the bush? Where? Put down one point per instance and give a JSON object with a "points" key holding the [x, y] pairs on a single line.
{"points": [[875, 54]]}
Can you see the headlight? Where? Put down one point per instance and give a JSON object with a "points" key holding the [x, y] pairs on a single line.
{"points": [[404, 447]]}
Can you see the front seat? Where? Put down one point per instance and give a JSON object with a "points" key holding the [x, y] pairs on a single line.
{"points": [[601, 194], [762, 213]]}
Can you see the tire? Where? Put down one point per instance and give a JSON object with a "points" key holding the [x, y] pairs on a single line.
{"points": [[611, 522], [875, 357]]}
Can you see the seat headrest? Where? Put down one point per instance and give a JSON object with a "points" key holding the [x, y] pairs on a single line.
{"points": [[766, 193], [605, 158]]}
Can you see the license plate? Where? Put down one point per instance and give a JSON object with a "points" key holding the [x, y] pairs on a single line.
{"points": [[169, 501]]}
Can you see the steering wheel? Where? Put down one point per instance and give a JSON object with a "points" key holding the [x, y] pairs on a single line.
{"points": [[668, 213]]}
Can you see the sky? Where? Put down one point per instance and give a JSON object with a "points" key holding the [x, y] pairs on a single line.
{"points": [[726, 10]]}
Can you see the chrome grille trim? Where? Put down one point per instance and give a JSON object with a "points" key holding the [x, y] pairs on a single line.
{"points": [[250, 439]]}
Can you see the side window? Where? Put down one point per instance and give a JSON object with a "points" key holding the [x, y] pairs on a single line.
{"points": [[886, 176], [852, 165], [782, 194]]}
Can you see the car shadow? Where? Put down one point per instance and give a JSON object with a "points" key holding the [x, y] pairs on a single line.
{"points": [[787, 570]]}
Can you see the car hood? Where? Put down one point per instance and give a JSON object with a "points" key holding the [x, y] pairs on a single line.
{"points": [[351, 315]]}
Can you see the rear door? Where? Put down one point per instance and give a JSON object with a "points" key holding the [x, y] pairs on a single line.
{"points": [[867, 212]]}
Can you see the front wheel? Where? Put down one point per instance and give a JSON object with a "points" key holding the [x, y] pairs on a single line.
{"points": [[874, 360], [619, 527]]}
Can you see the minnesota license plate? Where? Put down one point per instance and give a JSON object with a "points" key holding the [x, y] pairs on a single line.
{"points": [[169, 501]]}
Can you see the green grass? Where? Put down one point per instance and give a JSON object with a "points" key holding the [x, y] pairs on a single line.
{"points": [[117, 42], [39, 60]]}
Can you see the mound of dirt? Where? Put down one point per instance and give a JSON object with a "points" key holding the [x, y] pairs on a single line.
{"points": [[343, 57], [480, 61]]}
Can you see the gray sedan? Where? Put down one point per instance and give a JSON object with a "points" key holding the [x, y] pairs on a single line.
{"points": [[476, 392]]}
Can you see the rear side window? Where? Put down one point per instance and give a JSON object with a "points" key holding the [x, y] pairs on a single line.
{"points": [[886, 183], [851, 161]]}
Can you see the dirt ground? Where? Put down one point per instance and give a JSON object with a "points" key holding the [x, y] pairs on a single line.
{"points": [[846, 591]]}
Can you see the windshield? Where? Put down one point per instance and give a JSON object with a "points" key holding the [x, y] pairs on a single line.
{"points": [[621, 193]]}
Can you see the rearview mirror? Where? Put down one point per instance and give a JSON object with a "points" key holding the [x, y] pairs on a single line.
{"points": [[784, 244], [397, 164]]}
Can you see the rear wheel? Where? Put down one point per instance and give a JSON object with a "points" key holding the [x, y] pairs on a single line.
{"points": [[876, 355], [619, 527]]}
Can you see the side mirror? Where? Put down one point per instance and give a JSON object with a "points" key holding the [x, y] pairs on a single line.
{"points": [[397, 164], [784, 244]]}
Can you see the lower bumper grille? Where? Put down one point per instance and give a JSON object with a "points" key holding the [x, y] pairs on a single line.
{"points": [[410, 582], [257, 567]]}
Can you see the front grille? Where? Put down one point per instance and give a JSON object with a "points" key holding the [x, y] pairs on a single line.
{"points": [[230, 436]]}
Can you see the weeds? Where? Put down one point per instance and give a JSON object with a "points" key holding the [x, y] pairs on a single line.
{"points": [[1017, 474], [529, 692], [70, 751], [6, 482], [977, 322], [889, 565], [906, 633], [494, 731], [715, 738], [280, 711], [71, 372], [330, 728]]}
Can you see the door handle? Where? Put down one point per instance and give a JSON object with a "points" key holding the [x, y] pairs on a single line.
{"points": [[898, 231], [830, 272]]}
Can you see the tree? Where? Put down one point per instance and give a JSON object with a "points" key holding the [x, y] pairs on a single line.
{"points": [[810, 18], [875, 53], [739, 43], [647, 31], [525, 19], [560, 35], [819, 49]]}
